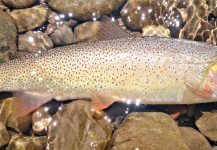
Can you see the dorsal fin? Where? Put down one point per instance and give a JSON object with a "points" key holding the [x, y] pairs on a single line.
{"points": [[110, 29]]}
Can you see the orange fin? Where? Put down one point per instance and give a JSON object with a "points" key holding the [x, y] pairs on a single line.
{"points": [[26, 102], [100, 101], [199, 92]]}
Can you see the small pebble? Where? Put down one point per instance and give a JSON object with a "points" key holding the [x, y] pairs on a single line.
{"points": [[27, 143], [63, 35], [34, 41], [40, 120], [4, 135]]}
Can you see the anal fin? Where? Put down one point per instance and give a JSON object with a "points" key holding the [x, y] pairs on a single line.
{"points": [[100, 101], [25, 102]]}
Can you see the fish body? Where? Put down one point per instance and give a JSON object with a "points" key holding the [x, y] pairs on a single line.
{"points": [[147, 70]]}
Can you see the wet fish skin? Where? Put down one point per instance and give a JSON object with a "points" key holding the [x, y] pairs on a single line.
{"points": [[147, 70]]}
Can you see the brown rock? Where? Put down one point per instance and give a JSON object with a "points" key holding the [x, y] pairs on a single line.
{"points": [[40, 120], [138, 14], [148, 130], [27, 143], [74, 123], [207, 124], [19, 3], [4, 135], [194, 139], [63, 35], [2, 6], [153, 30], [85, 10], [20, 124], [30, 18], [32, 42], [8, 34]]}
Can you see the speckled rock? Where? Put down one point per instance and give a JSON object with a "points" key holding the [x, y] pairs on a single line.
{"points": [[194, 139], [74, 123], [30, 18], [4, 135], [20, 124], [207, 124], [63, 35], [8, 34], [85, 9], [19, 3], [33, 41], [153, 30], [148, 130], [27, 143]]}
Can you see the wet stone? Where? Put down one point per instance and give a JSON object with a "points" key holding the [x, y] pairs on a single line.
{"points": [[63, 35], [87, 32], [153, 30], [4, 135], [74, 123], [19, 124], [27, 143], [30, 18], [138, 14], [40, 120], [19, 3], [33, 41], [148, 130], [207, 124], [194, 139], [8, 34], [2, 6], [85, 10]]}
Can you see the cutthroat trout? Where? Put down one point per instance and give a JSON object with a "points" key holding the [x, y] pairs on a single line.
{"points": [[146, 70]]}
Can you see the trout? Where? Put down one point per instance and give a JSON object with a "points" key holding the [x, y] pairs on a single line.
{"points": [[139, 70]]}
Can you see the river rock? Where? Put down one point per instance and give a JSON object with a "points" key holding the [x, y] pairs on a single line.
{"points": [[194, 139], [4, 135], [207, 124], [40, 120], [148, 130], [74, 123], [19, 124], [8, 34], [84, 9], [27, 143], [34, 41], [19, 3], [30, 18], [138, 14], [2, 6], [63, 35], [153, 30]]}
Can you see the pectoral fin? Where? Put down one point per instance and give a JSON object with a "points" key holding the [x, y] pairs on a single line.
{"points": [[100, 101], [198, 91], [25, 102]]}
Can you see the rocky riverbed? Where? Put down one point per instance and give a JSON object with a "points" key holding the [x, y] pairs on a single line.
{"points": [[36, 26]]}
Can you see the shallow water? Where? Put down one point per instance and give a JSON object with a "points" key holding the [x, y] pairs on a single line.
{"points": [[55, 26]]}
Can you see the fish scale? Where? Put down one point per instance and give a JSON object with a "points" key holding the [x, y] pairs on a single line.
{"points": [[147, 70]]}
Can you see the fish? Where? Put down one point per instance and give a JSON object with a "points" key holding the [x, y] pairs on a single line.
{"points": [[139, 70], [133, 70]]}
